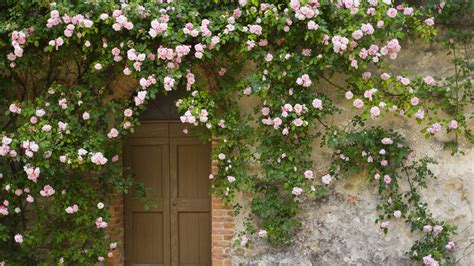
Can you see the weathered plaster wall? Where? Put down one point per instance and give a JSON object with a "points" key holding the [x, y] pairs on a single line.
{"points": [[340, 229]]}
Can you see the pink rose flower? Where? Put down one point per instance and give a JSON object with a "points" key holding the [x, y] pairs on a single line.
{"points": [[357, 34], [18, 238], [429, 21], [113, 133], [392, 12], [47, 191], [450, 245], [429, 80], [408, 11], [100, 223], [384, 76], [98, 158], [420, 114], [304, 81], [297, 191], [312, 25], [384, 224], [265, 111], [318, 104], [427, 228], [375, 111], [277, 122], [453, 124], [358, 103], [349, 95], [326, 179], [397, 214], [437, 229], [435, 128], [308, 174], [128, 112], [247, 91], [86, 116], [429, 261], [298, 122]]}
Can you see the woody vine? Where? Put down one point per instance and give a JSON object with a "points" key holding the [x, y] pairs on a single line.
{"points": [[63, 126]]}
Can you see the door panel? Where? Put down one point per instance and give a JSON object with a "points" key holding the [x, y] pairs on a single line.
{"points": [[192, 170], [148, 228], [194, 238], [190, 200], [147, 231], [176, 167]]}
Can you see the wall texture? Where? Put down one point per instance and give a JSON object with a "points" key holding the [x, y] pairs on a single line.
{"points": [[340, 229]]}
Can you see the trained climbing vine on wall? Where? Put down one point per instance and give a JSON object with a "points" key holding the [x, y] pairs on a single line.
{"points": [[64, 122]]}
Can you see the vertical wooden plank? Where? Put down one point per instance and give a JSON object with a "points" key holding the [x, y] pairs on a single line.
{"points": [[174, 228], [203, 171], [205, 238], [187, 165], [147, 232], [188, 238], [166, 206], [148, 165]]}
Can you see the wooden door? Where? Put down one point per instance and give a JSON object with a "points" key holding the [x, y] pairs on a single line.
{"points": [[176, 166]]}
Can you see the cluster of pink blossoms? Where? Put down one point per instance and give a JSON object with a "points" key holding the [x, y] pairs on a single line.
{"points": [[391, 49], [121, 21], [18, 192], [98, 158], [307, 11], [100, 223], [30, 147], [339, 43], [47, 191], [18, 41], [5, 149], [72, 209], [189, 118], [326, 179], [158, 26], [138, 58], [286, 109], [116, 53], [304, 81], [147, 82], [33, 173]]}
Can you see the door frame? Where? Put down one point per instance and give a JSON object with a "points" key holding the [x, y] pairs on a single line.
{"points": [[222, 219]]}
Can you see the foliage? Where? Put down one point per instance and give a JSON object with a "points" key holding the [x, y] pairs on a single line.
{"points": [[392, 168], [68, 59]]}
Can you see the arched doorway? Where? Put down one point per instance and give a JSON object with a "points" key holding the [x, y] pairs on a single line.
{"points": [[176, 166]]}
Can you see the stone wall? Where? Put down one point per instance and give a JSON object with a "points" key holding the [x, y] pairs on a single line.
{"points": [[340, 229]]}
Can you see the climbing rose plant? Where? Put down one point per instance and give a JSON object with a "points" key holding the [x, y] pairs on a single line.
{"points": [[65, 121]]}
